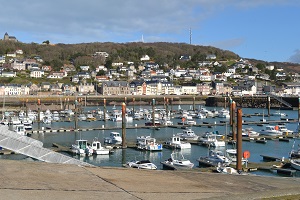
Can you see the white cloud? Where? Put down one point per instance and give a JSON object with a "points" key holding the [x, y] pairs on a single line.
{"points": [[94, 20]]}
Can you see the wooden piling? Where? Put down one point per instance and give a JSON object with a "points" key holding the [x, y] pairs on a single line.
{"points": [[269, 106], [194, 103], [233, 126], [239, 139], [153, 112], [123, 126], [104, 109]]}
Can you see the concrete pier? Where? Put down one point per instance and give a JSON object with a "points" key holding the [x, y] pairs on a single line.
{"points": [[36, 180]]}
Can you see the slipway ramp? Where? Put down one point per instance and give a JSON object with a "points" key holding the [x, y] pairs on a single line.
{"points": [[33, 148]]}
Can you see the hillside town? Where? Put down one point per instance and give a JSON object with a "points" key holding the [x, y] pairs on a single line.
{"points": [[147, 77]]}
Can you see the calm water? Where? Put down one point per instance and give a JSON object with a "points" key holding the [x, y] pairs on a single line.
{"points": [[271, 148]]}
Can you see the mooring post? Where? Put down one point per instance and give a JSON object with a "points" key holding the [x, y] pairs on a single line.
{"points": [[225, 102], [230, 112], [167, 107], [153, 112], [233, 126], [299, 110], [133, 103], [171, 104], [104, 109], [194, 103], [269, 105], [123, 126], [239, 140], [39, 114], [76, 115]]}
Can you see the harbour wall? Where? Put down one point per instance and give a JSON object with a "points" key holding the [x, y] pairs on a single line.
{"points": [[68, 102]]}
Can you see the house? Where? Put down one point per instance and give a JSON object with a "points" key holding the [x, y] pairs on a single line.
{"points": [[185, 58], [19, 51], [145, 58], [117, 64], [151, 66], [270, 67], [45, 86], [101, 67], [101, 78], [16, 90], [211, 57], [291, 89], [86, 88], [203, 88], [18, 65], [11, 54], [46, 68], [84, 75], [84, 68], [115, 88], [101, 53], [137, 87], [68, 68], [189, 89], [8, 74], [75, 79], [37, 73]]}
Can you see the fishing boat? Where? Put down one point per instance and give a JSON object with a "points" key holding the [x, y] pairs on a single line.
{"points": [[143, 164], [148, 143], [82, 148], [98, 149], [176, 162], [176, 143]]}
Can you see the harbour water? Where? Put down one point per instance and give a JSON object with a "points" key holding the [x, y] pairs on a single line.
{"points": [[120, 156]]}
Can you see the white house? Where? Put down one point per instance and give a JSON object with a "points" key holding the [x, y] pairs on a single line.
{"points": [[85, 68], [18, 65], [8, 74], [37, 73], [145, 58]]}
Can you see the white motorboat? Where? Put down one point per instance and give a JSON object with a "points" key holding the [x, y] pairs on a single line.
{"points": [[295, 163], [90, 117], [114, 138], [231, 154], [214, 158], [224, 113], [82, 117], [249, 132], [176, 143], [27, 125], [148, 143], [279, 113], [176, 162], [271, 131], [98, 149], [210, 139], [284, 130], [143, 164], [81, 148], [188, 134]]}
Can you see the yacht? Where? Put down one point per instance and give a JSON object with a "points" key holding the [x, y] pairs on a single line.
{"points": [[249, 132]]}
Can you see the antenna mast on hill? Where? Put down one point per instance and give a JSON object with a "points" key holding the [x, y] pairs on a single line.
{"points": [[142, 38], [190, 36]]}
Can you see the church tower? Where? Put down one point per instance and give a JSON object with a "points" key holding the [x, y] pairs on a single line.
{"points": [[6, 36]]}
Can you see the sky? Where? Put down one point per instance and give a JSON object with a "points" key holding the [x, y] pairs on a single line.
{"points": [[266, 30]]}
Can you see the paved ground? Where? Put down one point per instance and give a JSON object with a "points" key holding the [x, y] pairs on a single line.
{"points": [[37, 180]]}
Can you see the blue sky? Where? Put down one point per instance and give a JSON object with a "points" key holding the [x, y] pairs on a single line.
{"points": [[260, 29]]}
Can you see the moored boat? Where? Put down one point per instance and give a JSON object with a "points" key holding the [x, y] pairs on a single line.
{"points": [[175, 162], [114, 138], [143, 164], [148, 143]]}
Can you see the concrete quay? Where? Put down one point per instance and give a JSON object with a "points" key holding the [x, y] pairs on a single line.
{"points": [[37, 180]]}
